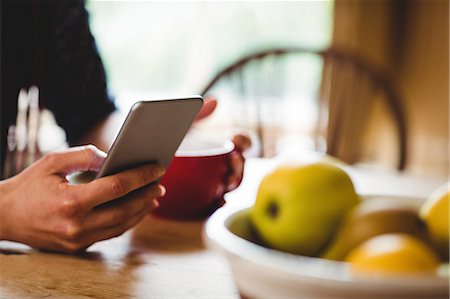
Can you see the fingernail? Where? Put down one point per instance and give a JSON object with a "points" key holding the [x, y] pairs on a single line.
{"points": [[96, 150], [155, 203], [162, 190]]}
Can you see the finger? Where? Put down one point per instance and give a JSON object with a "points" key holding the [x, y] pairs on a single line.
{"points": [[209, 105], [233, 182], [119, 211], [79, 158], [242, 142], [117, 185], [113, 231]]}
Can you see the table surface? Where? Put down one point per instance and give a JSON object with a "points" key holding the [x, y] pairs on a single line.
{"points": [[161, 258]]}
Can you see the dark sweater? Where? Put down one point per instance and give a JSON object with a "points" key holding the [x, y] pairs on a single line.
{"points": [[49, 44]]}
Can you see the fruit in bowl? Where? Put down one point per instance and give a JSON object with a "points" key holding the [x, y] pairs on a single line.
{"points": [[372, 217], [435, 212], [393, 254], [388, 253], [261, 272], [313, 210], [299, 206]]}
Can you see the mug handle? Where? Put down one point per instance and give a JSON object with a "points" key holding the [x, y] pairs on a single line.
{"points": [[235, 154], [219, 200], [241, 143]]}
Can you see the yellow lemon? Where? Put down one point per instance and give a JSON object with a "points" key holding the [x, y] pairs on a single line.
{"points": [[393, 254], [435, 213]]}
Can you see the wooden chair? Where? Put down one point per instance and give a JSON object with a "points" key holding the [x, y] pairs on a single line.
{"points": [[347, 93]]}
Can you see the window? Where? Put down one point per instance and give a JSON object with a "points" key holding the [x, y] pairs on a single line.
{"points": [[164, 49]]}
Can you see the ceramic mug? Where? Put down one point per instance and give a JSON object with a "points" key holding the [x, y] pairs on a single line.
{"points": [[195, 181]]}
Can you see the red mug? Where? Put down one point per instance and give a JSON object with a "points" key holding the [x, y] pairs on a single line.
{"points": [[195, 181]]}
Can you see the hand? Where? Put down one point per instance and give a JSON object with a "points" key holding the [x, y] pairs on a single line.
{"points": [[209, 105], [40, 208], [241, 140]]}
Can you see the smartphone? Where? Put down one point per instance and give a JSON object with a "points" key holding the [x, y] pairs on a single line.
{"points": [[151, 133]]}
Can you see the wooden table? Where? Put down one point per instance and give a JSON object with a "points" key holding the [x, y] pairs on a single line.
{"points": [[159, 258]]}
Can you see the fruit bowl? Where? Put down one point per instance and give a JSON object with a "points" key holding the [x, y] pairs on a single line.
{"points": [[261, 272]]}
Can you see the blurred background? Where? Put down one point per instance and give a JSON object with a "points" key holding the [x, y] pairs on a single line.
{"points": [[171, 48], [365, 81]]}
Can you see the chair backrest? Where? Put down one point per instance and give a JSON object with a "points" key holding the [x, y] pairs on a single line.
{"points": [[330, 93]]}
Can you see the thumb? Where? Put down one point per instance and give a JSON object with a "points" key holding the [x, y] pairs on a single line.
{"points": [[80, 158]]}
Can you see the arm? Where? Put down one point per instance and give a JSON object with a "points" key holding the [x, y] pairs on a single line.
{"points": [[241, 140], [40, 208], [73, 83]]}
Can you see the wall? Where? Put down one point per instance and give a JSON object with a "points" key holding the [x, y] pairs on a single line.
{"points": [[409, 41], [423, 79]]}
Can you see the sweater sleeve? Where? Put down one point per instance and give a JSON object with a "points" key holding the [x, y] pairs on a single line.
{"points": [[73, 80]]}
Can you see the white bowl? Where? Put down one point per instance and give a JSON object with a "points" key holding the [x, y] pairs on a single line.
{"points": [[260, 272]]}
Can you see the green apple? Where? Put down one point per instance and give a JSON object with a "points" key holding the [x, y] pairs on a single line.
{"points": [[298, 207]]}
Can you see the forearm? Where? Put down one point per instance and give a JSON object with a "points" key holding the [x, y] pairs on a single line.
{"points": [[5, 200], [39, 208]]}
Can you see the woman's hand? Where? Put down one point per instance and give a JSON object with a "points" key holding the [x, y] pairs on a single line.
{"points": [[241, 140], [40, 208], [209, 105]]}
